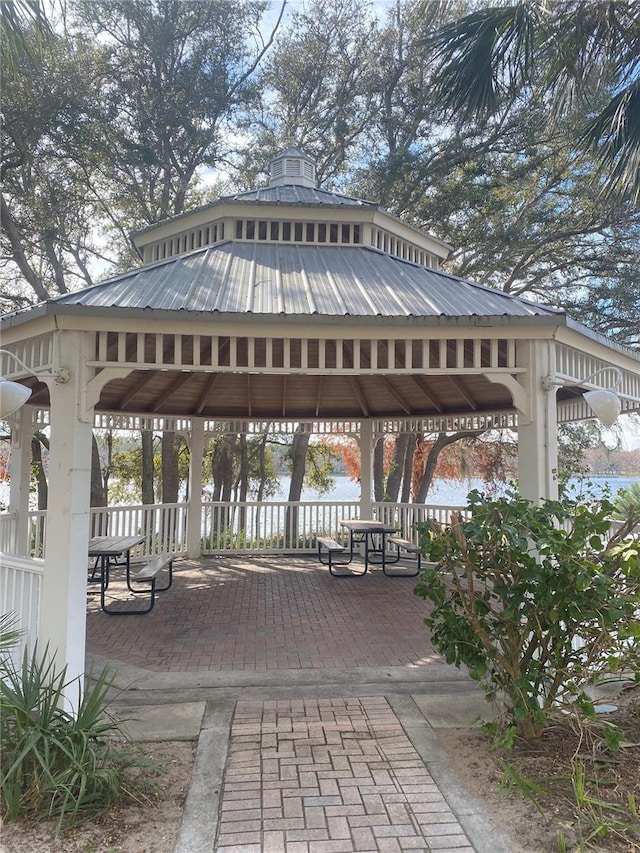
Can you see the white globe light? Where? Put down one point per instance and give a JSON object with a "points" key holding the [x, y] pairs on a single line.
{"points": [[13, 395], [604, 404]]}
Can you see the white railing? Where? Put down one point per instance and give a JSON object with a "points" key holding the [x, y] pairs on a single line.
{"points": [[20, 584], [406, 517], [8, 530], [274, 527], [241, 528], [164, 526]]}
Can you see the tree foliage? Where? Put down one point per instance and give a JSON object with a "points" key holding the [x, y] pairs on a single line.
{"points": [[316, 89], [570, 51]]}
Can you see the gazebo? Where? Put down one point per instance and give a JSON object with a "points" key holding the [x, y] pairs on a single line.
{"points": [[284, 303]]}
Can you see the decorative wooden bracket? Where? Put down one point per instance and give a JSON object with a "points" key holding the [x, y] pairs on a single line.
{"points": [[521, 400], [90, 393]]}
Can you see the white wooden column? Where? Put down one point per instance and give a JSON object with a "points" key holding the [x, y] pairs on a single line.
{"points": [[20, 471], [538, 431], [64, 588], [366, 468], [194, 513]]}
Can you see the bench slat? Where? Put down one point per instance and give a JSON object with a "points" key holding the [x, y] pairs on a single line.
{"points": [[154, 567], [329, 544], [404, 543]]}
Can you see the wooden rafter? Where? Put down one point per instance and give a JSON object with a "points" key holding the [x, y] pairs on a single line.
{"points": [[358, 393], [397, 396], [177, 383], [457, 383], [422, 384], [202, 400], [135, 388]]}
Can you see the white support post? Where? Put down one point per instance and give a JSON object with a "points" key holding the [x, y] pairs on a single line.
{"points": [[194, 514], [538, 433], [20, 470], [366, 468], [64, 584]]}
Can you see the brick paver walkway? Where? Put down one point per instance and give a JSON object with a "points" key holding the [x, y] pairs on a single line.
{"points": [[329, 776]]}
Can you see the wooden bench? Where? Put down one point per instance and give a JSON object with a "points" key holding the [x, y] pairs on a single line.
{"points": [[327, 548], [147, 575], [409, 547]]}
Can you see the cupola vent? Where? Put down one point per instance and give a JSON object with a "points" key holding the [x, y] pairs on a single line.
{"points": [[292, 167]]}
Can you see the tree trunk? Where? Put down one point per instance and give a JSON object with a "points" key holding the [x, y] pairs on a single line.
{"points": [[243, 479], [98, 491], [98, 487], [407, 474], [396, 472], [37, 442], [148, 497], [222, 461], [262, 470], [443, 440], [298, 467], [378, 470], [169, 468]]}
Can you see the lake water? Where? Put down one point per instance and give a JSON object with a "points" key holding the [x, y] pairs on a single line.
{"points": [[449, 492]]}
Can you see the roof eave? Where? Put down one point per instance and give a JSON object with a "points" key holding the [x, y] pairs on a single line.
{"points": [[54, 309]]}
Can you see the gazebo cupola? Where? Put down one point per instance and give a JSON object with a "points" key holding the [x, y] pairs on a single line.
{"points": [[291, 211], [292, 167]]}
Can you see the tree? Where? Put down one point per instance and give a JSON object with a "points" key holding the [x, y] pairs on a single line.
{"points": [[176, 73], [316, 89], [15, 15], [107, 125], [514, 194], [47, 209], [570, 52]]}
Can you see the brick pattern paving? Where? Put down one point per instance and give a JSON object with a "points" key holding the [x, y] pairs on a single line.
{"points": [[329, 776], [266, 613]]}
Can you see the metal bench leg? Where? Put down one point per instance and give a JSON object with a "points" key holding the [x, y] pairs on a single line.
{"points": [[110, 611], [158, 588], [396, 574]]}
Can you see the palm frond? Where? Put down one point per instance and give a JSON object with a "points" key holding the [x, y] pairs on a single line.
{"points": [[615, 136], [483, 56], [16, 16]]}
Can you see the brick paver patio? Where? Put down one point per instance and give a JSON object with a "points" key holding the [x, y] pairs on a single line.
{"points": [[266, 613]]}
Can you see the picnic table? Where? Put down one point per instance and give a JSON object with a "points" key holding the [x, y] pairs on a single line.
{"points": [[108, 550]]}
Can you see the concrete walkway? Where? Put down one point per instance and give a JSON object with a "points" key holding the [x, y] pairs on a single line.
{"points": [[329, 759]]}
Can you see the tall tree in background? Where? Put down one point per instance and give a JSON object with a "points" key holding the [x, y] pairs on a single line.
{"points": [[177, 71], [48, 211], [316, 89]]}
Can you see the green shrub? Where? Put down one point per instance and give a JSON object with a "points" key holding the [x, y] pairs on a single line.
{"points": [[55, 763], [537, 601], [627, 502]]}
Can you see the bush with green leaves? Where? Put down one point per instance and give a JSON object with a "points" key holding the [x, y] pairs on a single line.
{"points": [[627, 503], [56, 763], [537, 601]]}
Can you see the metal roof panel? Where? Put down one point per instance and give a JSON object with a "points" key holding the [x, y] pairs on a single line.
{"points": [[274, 278]]}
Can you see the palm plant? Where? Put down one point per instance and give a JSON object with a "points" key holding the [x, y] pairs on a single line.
{"points": [[55, 763], [571, 52], [15, 17]]}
